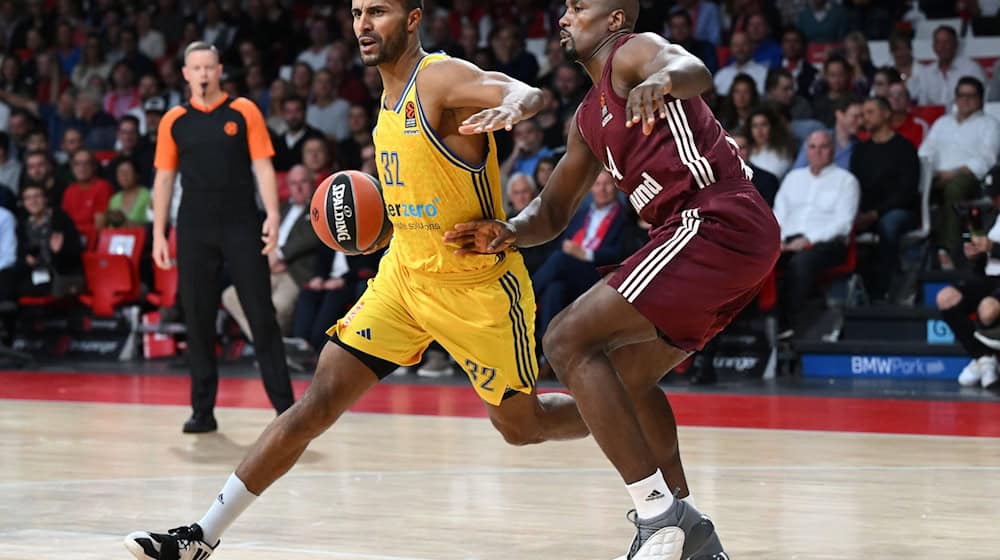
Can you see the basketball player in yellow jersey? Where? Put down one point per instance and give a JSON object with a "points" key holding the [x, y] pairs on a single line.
{"points": [[438, 167]]}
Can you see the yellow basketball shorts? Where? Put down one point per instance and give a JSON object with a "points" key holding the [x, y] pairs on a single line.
{"points": [[487, 324]]}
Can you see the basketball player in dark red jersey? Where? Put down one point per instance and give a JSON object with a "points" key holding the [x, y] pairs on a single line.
{"points": [[712, 243]]}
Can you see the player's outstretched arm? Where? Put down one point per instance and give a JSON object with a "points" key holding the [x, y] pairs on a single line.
{"points": [[504, 101], [652, 68], [547, 215]]}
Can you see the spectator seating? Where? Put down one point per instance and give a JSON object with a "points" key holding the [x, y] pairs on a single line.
{"points": [[112, 271], [925, 29], [984, 50]]}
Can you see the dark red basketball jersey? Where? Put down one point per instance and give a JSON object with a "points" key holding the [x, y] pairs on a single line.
{"points": [[686, 152]]}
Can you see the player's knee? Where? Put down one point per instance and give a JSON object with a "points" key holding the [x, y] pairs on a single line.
{"points": [[989, 309], [315, 412], [948, 297], [519, 435], [558, 343]]}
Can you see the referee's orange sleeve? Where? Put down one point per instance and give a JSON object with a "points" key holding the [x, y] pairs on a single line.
{"points": [[166, 148], [258, 138]]}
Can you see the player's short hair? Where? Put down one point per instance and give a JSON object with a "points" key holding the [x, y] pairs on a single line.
{"points": [[947, 29], [836, 59], [844, 101], [971, 81], [891, 74], [775, 74], [519, 176], [196, 46], [882, 102], [294, 99], [413, 5]]}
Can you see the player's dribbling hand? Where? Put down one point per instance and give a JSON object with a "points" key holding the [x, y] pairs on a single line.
{"points": [[488, 120], [645, 102], [269, 233], [484, 237], [161, 252]]}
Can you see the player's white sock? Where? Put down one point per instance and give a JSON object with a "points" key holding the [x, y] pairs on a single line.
{"points": [[228, 505], [651, 496]]}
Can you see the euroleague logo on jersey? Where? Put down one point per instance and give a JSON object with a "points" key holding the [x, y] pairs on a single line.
{"points": [[605, 115], [231, 128], [411, 115]]}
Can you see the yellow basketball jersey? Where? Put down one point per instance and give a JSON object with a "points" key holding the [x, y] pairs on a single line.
{"points": [[428, 189]]}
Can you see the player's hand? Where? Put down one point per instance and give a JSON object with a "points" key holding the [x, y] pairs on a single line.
{"points": [[56, 241], [573, 249], [161, 251], [646, 102], [488, 120], [269, 233], [334, 284], [315, 284], [484, 237]]}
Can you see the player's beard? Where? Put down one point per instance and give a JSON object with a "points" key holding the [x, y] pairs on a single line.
{"points": [[387, 50], [569, 49]]}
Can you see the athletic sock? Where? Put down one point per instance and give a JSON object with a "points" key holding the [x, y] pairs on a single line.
{"points": [[228, 505], [651, 496]]}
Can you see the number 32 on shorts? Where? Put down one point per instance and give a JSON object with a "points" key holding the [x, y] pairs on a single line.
{"points": [[482, 375]]}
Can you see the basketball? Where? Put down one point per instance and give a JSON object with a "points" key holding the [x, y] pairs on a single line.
{"points": [[348, 213]]}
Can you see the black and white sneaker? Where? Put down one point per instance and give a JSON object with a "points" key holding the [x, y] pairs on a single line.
{"points": [[182, 543]]}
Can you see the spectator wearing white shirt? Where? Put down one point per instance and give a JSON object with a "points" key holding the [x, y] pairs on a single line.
{"points": [[319, 37], [772, 147], [815, 207], [741, 50], [935, 84], [293, 262], [328, 113], [151, 41], [962, 147], [8, 254], [10, 168]]}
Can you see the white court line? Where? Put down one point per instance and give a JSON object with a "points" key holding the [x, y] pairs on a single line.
{"points": [[47, 534], [517, 471], [314, 551]]}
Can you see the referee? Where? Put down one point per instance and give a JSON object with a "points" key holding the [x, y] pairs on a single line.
{"points": [[213, 141]]}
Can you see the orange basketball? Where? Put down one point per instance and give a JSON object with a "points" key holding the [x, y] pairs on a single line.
{"points": [[348, 213]]}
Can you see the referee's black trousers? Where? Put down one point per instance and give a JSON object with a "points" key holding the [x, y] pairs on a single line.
{"points": [[201, 251]]}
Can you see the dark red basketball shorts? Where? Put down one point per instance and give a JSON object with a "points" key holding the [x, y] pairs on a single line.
{"points": [[703, 266]]}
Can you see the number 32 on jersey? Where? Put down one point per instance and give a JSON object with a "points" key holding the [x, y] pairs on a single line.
{"points": [[390, 169]]}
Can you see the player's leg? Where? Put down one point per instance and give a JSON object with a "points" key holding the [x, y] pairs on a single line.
{"points": [[348, 367], [641, 366], [252, 279], [341, 379], [577, 345], [489, 330], [199, 260], [524, 419]]}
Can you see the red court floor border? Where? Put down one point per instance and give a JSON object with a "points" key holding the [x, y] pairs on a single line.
{"points": [[896, 416]]}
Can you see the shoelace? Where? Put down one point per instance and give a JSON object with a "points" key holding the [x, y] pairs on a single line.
{"points": [[182, 539]]}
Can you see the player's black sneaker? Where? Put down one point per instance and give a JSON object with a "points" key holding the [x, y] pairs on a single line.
{"points": [[711, 550], [182, 543]]}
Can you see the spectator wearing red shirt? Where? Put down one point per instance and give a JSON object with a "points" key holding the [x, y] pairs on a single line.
{"points": [[903, 121], [86, 200]]}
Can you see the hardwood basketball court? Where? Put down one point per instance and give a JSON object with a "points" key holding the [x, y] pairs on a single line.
{"points": [[417, 473]]}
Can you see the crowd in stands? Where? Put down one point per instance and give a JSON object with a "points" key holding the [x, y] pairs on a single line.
{"points": [[835, 142]]}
